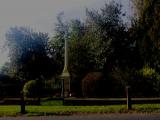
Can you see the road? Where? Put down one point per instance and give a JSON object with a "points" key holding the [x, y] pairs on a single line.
{"points": [[91, 117]]}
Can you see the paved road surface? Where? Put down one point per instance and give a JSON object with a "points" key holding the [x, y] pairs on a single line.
{"points": [[91, 117]]}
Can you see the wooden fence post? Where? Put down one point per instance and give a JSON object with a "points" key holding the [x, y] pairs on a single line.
{"points": [[22, 103], [128, 95]]}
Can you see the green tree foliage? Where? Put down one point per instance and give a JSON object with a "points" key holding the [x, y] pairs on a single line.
{"points": [[103, 43], [98, 44], [148, 25], [56, 43], [114, 51], [146, 82], [28, 56], [80, 60], [145, 33], [108, 32], [113, 47]]}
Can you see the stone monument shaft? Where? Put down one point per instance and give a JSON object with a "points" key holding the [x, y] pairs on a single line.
{"points": [[66, 55], [65, 74]]}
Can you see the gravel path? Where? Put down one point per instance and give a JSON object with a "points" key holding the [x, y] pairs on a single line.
{"points": [[91, 117]]}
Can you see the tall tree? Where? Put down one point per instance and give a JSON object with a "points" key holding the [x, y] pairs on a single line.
{"points": [[148, 23], [110, 37], [97, 44], [28, 56], [145, 34], [115, 50], [81, 60]]}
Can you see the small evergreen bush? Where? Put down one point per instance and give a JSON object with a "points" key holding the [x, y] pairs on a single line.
{"points": [[32, 88]]}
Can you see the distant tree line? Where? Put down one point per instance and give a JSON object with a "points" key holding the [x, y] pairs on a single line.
{"points": [[105, 55]]}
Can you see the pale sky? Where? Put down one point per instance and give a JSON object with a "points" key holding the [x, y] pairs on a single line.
{"points": [[41, 15]]}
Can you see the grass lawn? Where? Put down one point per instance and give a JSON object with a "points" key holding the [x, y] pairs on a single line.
{"points": [[67, 110]]}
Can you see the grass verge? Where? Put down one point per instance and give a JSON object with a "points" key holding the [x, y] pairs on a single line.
{"points": [[69, 110]]}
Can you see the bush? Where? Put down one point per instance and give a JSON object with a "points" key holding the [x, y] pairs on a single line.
{"points": [[93, 85], [146, 83], [32, 88]]}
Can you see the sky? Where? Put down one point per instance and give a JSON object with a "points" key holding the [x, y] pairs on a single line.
{"points": [[40, 15]]}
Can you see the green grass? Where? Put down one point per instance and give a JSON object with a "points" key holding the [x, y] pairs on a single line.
{"points": [[68, 110], [51, 102], [147, 108], [60, 110], [9, 110]]}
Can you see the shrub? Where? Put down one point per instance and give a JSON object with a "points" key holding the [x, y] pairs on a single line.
{"points": [[93, 85], [146, 82], [32, 88]]}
